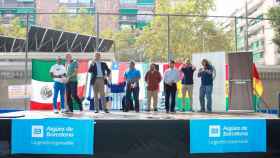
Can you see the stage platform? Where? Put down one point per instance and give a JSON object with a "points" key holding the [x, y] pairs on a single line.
{"points": [[157, 134], [118, 115]]}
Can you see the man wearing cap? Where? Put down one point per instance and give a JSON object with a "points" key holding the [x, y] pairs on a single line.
{"points": [[58, 73], [99, 72]]}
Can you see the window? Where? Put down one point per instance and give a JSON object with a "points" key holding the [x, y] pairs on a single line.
{"points": [[128, 1]]}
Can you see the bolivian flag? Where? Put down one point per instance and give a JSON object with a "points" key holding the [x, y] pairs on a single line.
{"points": [[257, 88]]}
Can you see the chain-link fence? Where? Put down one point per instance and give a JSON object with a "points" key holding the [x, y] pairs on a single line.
{"points": [[140, 37]]}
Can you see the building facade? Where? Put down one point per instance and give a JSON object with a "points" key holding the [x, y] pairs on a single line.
{"points": [[260, 33], [11, 8], [126, 7]]}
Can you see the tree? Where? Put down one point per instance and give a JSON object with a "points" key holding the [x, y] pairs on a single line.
{"points": [[274, 15], [14, 29], [187, 34], [80, 23], [124, 43]]}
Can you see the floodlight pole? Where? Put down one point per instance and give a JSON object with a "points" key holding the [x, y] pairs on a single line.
{"points": [[168, 40], [247, 27], [26, 64], [235, 33], [279, 104], [97, 32]]}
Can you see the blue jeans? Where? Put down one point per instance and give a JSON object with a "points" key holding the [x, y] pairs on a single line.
{"points": [[58, 88], [205, 90]]}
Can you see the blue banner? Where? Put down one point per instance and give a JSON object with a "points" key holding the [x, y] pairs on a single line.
{"points": [[53, 136], [228, 135]]}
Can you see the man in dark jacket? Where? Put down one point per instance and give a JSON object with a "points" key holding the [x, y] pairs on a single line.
{"points": [[206, 74], [187, 82], [99, 72]]}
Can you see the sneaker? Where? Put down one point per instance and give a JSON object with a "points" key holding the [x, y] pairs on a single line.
{"points": [[96, 111], [155, 110], [63, 111], [55, 111], [106, 111]]}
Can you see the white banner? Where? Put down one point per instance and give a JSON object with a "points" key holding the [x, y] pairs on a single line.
{"points": [[218, 60], [18, 91]]}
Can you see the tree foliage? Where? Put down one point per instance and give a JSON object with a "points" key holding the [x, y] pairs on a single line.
{"points": [[80, 23], [274, 14], [188, 34], [14, 29]]}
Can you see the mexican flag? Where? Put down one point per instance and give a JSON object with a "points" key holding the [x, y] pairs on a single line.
{"points": [[42, 83]]}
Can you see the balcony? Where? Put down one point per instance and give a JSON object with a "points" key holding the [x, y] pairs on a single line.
{"points": [[17, 4], [128, 4], [130, 19]]}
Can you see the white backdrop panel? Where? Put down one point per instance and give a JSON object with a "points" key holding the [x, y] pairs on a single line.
{"points": [[218, 60]]}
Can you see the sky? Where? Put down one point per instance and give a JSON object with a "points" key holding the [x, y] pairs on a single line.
{"points": [[226, 7]]}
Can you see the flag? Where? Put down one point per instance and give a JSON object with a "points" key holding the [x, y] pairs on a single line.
{"points": [[118, 83], [115, 73], [257, 88], [42, 85], [227, 87], [83, 66], [118, 70]]}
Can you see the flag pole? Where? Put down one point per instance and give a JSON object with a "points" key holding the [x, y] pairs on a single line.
{"points": [[26, 64]]}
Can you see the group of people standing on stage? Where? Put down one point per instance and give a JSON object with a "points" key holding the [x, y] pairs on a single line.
{"points": [[65, 79]]}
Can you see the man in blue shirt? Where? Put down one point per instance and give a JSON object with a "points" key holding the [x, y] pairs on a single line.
{"points": [[132, 77], [206, 74]]}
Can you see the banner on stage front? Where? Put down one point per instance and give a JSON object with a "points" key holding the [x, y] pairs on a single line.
{"points": [[53, 136], [224, 136]]}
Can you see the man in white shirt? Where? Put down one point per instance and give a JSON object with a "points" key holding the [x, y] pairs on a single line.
{"points": [[58, 73], [171, 77]]}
